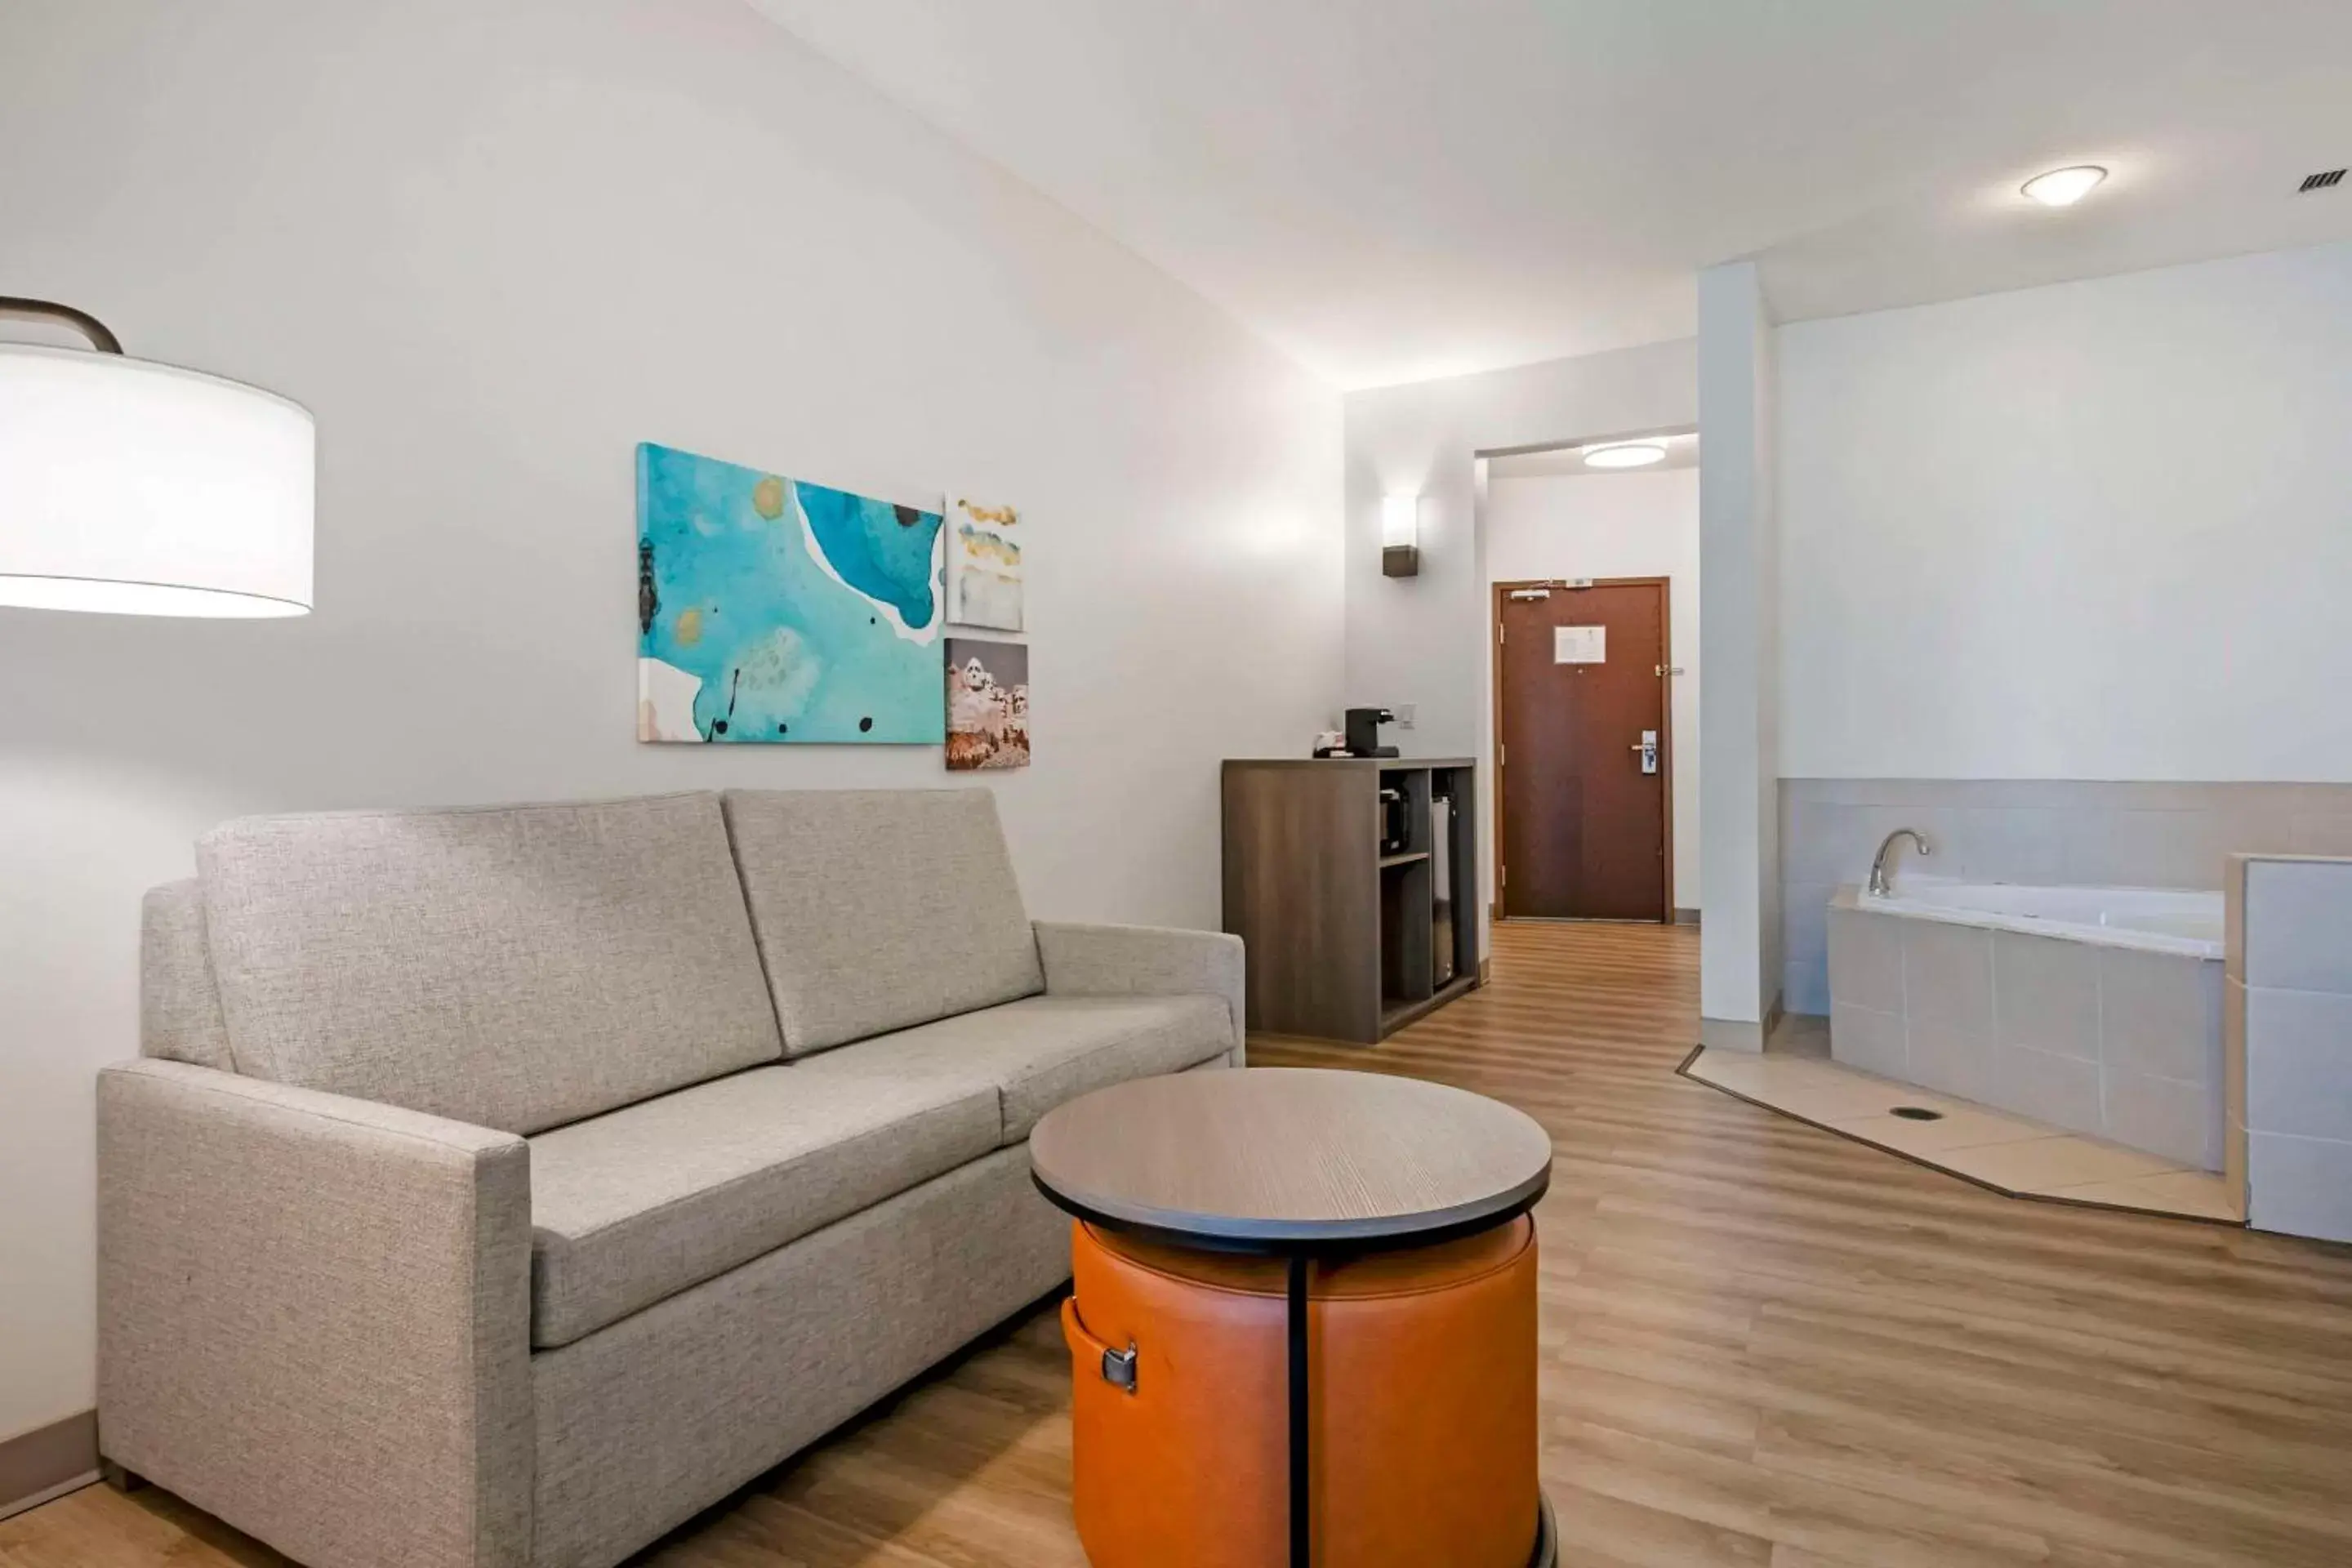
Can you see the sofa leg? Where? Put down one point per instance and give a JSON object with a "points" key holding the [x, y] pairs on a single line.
{"points": [[115, 1475]]}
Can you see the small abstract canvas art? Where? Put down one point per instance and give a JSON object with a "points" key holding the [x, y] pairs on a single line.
{"points": [[988, 704], [985, 566], [773, 610]]}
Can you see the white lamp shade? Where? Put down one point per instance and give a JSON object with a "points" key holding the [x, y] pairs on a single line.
{"points": [[1400, 522], [142, 488]]}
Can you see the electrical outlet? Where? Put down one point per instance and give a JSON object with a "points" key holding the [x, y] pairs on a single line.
{"points": [[1404, 712]]}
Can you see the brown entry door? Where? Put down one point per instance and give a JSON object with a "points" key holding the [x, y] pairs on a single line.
{"points": [[1582, 692]]}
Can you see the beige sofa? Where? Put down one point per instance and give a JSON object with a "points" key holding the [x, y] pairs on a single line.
{"points": [[505, 1186]]}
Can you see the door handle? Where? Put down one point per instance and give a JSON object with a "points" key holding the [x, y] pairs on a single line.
{"points": [[1648, 747]]}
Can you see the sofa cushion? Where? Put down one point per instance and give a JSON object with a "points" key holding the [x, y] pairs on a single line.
{"points": [[1042, 1050], [179, 1006], [513, 967], [639, 1204], [877, 909]]}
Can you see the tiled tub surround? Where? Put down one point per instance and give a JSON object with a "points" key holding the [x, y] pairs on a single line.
{"points": [[2180, 921], [2288, 1011], [2080, 832], [2112, 1032]]}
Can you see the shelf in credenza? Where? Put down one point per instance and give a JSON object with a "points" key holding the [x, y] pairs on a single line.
{"points": [[1406, 859], [1395, 1015]]}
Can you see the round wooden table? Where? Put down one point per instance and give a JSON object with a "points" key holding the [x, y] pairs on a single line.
{"points": [[1297, 1163]]}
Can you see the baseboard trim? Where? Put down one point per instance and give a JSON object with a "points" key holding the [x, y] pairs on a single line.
{"points": [[1685, 917], [48, 1462]]}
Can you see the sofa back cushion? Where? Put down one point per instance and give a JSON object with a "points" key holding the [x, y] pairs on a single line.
{"points": [[514, 967], [879, 910], [179, 1006]]}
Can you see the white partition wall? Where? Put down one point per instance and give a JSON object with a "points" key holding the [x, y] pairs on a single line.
{"points": [[2091, 531], [2288, 1030], [1739, 942]]}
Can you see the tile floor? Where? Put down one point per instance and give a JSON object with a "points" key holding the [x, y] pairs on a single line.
{"points": [[2022, 1158]]}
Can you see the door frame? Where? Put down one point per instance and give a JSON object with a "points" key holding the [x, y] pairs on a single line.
{"points": [[1501, 592]]}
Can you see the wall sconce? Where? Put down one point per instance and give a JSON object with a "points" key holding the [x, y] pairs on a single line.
{"points": [[1400, 536]]}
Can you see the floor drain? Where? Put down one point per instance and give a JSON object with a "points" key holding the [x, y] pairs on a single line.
{"points": [[1917, 1114]]}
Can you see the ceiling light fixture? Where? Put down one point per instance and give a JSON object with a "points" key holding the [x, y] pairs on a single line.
{"points": [[2065, 187], [1623, 454]]}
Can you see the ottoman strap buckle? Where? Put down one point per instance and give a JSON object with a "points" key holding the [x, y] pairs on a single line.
{"points": [[1118, 1366]]}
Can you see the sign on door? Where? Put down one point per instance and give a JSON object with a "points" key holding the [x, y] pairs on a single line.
{"points": [[1580, 645]]}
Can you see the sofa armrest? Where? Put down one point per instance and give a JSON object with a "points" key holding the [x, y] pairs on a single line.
{"points": [[1145, 960], [314, 1315]]}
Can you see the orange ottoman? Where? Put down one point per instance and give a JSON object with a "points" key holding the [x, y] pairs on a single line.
{"points": [[1422, 1422], [1305, 1325]]}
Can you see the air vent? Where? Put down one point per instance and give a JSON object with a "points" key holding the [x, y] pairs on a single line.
{"points": [[2321, 182]]}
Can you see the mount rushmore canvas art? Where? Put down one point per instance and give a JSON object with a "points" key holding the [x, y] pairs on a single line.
{"points": [[988, 704]]}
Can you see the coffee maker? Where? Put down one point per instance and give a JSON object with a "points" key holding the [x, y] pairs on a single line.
{"points": [[1364, 733]]}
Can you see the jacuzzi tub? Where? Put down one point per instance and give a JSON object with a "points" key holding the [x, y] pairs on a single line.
{"points": [[2094, 1009], [2153, 920]]}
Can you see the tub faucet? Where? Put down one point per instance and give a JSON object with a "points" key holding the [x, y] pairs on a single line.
{"points": [[1881, 885]]}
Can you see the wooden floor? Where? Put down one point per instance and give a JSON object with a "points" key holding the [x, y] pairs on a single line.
{"points": [[1762, 1345]]}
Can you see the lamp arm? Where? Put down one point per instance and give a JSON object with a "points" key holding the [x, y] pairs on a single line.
{"points": [[100, 338]]}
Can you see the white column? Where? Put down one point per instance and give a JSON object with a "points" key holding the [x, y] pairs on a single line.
{"points": [[1739, 937]]}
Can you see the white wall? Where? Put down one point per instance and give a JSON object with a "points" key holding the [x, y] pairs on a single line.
{"points": [[1636, 524], [2097, 531], [492, 247], [1423, 640]]}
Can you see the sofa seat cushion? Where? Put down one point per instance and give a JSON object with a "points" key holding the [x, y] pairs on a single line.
{"points": [[644, 1201], [1042, 1050]]}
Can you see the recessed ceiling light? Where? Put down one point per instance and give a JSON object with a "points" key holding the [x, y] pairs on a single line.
{"points": [[2065, 187], [1623, 454]]}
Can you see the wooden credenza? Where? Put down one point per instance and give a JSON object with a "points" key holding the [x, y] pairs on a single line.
{"points": [[1345, 942]]}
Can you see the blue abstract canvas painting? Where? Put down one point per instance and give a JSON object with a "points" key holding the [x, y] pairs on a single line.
{"points": [[773, 610]]}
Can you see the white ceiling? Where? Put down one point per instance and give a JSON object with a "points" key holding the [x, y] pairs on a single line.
{"points": [[1557, 462], [1394, 189]]}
